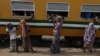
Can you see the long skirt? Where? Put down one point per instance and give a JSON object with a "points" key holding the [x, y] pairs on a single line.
{"points": [[55, 46], [27, 44], [89, 43]]}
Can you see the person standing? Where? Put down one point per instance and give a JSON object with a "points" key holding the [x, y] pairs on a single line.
{"points": [[12, 32], [25, 35], [89, 37], [55, 46]]}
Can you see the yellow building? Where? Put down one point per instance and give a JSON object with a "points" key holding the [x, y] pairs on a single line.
{"points": [[73, 11]]}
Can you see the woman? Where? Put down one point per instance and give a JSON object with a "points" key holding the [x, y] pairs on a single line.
{"points": [[55, 46], [12, 32], [24, 33], [89, 37]]}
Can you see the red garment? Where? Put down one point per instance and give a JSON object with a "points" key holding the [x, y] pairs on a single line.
{"points": [[24, 36], [23, 30]]}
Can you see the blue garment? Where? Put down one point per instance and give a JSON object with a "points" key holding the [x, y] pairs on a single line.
{"points": [[86, 15]]}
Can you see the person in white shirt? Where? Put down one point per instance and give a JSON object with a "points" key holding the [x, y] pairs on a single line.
{"points": [[12, 33]]}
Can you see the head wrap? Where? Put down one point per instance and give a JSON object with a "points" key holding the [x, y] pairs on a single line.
{"points": [[90, 24], [10, 26]]}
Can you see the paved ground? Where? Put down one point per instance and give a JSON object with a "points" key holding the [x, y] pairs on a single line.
{"points": [[43, 51]]}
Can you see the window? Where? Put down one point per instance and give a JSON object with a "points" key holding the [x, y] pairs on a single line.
{"points": [[90, 11], [57, 9], [18, 13], [23, 8]]}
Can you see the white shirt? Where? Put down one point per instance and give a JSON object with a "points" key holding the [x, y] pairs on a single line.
{"points": [[12, 33]]}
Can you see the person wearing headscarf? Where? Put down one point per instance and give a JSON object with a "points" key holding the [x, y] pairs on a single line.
{"points": [[25, 35], [12, 32], [55, 45], [89, 37]]}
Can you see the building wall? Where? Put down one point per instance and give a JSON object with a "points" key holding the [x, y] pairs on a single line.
{"points": [[23, 0], [5, 11], [40, 9]]}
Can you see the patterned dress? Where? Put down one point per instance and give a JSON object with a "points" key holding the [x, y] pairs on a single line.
{"points": [[55, 46], [89, 36]]}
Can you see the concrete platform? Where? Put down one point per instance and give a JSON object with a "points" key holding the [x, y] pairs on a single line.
{"points": [[44, 51]]}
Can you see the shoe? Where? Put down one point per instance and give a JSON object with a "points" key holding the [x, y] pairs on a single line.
{"points": [[84, 49], [11, 51], [90, 51]]}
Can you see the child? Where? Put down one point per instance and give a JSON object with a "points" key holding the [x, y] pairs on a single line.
{"points": [[12, 32]]}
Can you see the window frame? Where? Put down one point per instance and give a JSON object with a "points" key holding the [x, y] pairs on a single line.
{"points": [[68, 11], [33, 5], [87, 11]]}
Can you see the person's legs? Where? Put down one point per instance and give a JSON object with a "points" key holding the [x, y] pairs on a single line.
{"points": [[25, 44], [10, 45], [85, 46], [16, 45], [55, 47], [30, 45], [52, 49], [58, 43], [90, 46], [53, 44]]}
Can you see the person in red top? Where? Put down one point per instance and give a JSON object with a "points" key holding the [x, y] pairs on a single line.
{"points": [[24, 34]]}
